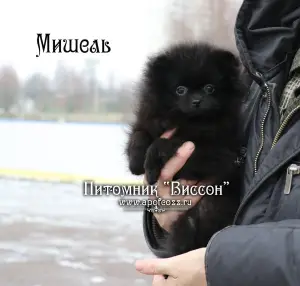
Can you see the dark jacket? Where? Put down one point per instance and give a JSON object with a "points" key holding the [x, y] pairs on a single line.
{"points": [[262, 248]]}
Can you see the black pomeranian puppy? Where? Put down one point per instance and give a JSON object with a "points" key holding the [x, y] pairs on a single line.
{"points": [[196, 89]]}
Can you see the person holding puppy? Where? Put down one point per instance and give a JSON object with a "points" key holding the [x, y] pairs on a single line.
{"points": [[262, 247]]}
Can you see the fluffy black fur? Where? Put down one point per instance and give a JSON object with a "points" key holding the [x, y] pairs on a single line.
{"points": [[197, 89]]}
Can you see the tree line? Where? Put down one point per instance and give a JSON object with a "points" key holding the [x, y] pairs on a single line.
{"points": [[72, 91]]}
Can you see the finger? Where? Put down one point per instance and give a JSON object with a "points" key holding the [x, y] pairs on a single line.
{"points": [[189, 182], [154, 266], [158, 280], [178, 161], [166, 219], [163, 190], [193, 199], [168, 134]]}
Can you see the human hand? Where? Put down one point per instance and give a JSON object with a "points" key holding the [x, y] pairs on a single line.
{"points": [[166, 219], [187, 269]]}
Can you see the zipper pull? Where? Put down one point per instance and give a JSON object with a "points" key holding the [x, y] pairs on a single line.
{"points": [[291, 171], [241, 158]]}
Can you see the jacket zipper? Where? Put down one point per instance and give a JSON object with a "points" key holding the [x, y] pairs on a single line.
{"points": [[242, 204], [291, 171], [278, 134], [262, 126], [283, 125], [262, 133]]}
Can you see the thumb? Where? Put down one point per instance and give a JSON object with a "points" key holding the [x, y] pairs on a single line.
{"points": [[154, 266]]}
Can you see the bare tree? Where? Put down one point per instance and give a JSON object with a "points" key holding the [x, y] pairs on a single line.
{"points": [[125, 98], [37, 88], [70, 89], [222, 27], [77, 93], [90, 71], [9, 88], [211, 20], [178, 26]]}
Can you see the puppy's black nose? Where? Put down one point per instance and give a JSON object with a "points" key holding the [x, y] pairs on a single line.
{"points": [[196, 103]]}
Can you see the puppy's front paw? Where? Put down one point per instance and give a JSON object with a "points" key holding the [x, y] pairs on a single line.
{"points": [[136, 163], [157, 156], [136, 150], [153, 164], [152, 176]]}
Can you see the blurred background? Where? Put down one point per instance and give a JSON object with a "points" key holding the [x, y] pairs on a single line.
{"points": [[63, 119]]}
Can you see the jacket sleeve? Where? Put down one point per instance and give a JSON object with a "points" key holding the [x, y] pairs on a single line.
{"points": [[255, 255]]}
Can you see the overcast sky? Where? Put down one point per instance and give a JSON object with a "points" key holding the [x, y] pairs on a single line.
{"points": [[134, 29]]}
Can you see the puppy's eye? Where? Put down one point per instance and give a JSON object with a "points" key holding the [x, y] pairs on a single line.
{"points": [[209, 89], [181, 90]]}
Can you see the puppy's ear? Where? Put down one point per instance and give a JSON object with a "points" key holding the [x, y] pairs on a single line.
{"points": [[228, 64], [228, 59], [157, 70], [159, 63], [232, 69]]}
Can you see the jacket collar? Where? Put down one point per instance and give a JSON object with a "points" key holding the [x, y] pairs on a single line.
{"points": [[296, 62], [268, 35]]}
